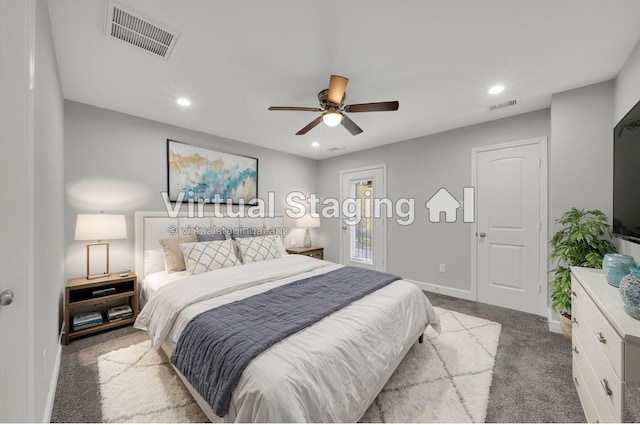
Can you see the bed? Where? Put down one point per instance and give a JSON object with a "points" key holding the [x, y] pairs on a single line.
{"points": [[330, 371]]}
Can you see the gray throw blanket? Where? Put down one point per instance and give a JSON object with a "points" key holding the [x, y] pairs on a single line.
{"points": [[217, 345]]}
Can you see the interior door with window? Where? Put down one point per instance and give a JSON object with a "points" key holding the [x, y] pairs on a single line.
{"points": [[363, 234]]}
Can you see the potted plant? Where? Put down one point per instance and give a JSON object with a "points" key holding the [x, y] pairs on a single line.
{"points": [[583, 240]]}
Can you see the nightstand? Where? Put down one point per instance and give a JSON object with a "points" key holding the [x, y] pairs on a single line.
{"points": [[84, 296], [314, 251]]}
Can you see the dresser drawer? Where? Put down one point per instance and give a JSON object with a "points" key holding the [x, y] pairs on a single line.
{"points": [[608, 406], [608, 339], [586, 349], [587, 403]]}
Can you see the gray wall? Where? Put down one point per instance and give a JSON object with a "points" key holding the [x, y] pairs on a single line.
{"points": [[581, 151], [627, 85], [49, 210], [118, 163], [627, 94], [418, 168], [579, 124]]}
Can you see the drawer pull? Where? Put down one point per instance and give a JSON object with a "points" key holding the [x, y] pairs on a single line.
{"points": [[574, 293], [575, 350], [607, 389], [601, 338]]}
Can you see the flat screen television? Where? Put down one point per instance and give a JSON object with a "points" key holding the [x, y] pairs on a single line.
{"points": [[626, 176]]}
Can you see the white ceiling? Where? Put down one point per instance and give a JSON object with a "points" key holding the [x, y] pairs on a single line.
{"points": [[235, 58]]}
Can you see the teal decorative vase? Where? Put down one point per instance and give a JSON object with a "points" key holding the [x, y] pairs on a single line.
{"points": [[630, 292], [615, 267]]}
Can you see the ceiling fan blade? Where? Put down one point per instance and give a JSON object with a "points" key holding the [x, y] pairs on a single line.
{"points": [[294, 108], [373, 107], [309, 126], [337, 85], [350, 125]]}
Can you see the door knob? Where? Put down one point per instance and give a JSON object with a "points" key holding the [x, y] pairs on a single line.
{"points": [[482, 234], [6, 297]]}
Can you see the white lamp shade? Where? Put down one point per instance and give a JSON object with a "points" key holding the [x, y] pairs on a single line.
{"points": [[98, 227], [307, 222]]}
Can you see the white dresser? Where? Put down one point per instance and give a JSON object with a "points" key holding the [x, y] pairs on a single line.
{"points": [[606, 349]]}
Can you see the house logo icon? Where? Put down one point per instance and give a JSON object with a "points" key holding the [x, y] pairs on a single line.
{"points": [[444, 202]]}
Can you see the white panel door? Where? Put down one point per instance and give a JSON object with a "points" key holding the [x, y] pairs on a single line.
{"points": [[363, 235], [508, 227], [17, 23]]}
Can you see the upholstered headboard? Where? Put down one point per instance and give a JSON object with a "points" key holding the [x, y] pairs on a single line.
{"points": [[151, 226]]}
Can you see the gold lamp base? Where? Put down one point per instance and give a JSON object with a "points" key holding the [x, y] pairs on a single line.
{"points": [[98, 266]]}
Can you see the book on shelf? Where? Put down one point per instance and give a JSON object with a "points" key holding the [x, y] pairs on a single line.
{"points": [[119, 318], [119, 312], [86, 320]]}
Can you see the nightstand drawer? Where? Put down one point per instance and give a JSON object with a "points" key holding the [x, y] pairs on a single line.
{"points": [[315, 252]]}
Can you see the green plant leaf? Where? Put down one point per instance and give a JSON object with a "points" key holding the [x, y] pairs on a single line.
{"points": [[583, 240]]}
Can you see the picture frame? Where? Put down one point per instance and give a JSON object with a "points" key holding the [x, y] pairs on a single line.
{"points": [[210, 176]]}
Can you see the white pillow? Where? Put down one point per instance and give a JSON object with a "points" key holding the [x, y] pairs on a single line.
{"points": [[201, 257], [258, 248], [153, 261], [280, 246]]}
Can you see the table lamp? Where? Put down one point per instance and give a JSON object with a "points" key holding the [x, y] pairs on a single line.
{"points": [[99, 227], [307, 222]]}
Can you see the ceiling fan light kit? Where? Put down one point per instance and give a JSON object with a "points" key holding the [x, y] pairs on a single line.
{"points": [[333, 108], [332, 118]]}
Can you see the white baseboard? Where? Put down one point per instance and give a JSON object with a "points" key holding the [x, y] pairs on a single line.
{"points": [[48, 409], [554, 321], [554, 326], [444, 290]]}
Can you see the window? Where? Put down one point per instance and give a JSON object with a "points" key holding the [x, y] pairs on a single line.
{"points": [[362, 232]]}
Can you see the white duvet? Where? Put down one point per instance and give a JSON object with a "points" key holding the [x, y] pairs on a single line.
{"points": [[330, 371]]}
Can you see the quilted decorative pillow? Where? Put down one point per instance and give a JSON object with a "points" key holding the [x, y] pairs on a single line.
{"points": [[258, 248], [202, 257], [173, 258]]}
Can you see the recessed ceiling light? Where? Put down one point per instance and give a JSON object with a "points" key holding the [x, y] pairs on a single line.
{"points": [[315, 144], [496, 89], [183, 101]]}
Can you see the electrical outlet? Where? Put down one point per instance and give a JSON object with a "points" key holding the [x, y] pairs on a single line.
{"points": [[442, 268]]}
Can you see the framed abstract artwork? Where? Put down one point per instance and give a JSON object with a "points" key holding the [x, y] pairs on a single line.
{"points": [[206, 175]]}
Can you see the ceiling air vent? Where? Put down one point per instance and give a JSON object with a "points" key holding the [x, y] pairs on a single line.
{"points": [[134, 28], [504, 104]]}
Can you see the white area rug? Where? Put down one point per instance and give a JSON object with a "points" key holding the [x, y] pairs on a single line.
{"points": [[445, 379], [137, 384]]}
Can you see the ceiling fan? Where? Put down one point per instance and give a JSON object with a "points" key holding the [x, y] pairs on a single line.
{"points": [[333, 108]]}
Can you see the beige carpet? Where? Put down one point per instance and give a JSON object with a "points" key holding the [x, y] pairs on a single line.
{"points": [[446, 379]]}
